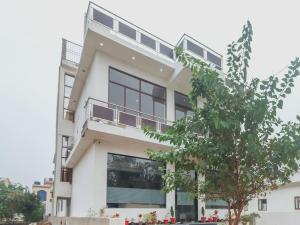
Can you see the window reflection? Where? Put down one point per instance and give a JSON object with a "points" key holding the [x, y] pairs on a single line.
{"points": [[133, 181], [183, 107]]}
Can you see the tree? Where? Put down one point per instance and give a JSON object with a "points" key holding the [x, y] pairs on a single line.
{"points": [[17, 200], [236, 140]]}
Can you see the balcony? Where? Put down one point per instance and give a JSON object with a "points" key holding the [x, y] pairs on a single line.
{"points": [[70, 53], [120, 116], [197, 49], [128, 31]]}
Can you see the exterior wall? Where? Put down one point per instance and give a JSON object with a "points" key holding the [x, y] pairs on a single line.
{"points": [[281, 200], [90, 178], [96, 86], [63, 127], [49, 200]]}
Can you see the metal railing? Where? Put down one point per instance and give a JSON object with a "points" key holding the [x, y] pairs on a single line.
{"points": [[129, 31], [197, 49], [71, 51], [117, 115]]}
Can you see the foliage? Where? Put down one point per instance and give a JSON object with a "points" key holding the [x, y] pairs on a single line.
{"points": [[150, 218], [249, 218], [236, 140], [172, 211], [202, 211], [17, 200]]}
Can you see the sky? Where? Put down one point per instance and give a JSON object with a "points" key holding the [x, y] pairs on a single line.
{"points": [[30, 47]]}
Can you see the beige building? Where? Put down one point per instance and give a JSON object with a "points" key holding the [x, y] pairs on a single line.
{"points": [[45, 193], [5, 181]]}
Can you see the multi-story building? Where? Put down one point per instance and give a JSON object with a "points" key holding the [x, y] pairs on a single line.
{"points": [[122, 79], [45, 193]]}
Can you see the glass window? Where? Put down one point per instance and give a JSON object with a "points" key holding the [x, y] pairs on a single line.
{"points": [[297, 202], [42, 195], [262, 204], [137, 94], [133, 183], [116, 94], [68, 84], [69, 80], [124, 79], [183, 107], [216, 204]]}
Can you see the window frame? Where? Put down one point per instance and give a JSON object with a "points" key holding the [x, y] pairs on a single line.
{"points": [[260, 204], [65, 97], [136, 157], [140, 93], [297, 202], [175, 105]]}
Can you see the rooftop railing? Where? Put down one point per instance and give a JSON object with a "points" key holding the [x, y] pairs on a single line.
{"points": [[197, 49], [131, 32], [71, 52], [117, 115]]}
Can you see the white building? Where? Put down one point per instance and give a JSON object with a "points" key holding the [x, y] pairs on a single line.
{"points": [[122, 79]]}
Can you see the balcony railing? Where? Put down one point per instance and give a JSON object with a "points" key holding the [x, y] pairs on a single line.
{"points": [[71, 52], [117, 115], [197, 49], [127, 30]]}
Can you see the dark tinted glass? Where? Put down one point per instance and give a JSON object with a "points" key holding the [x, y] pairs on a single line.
{"points": [[133, 181], [148, 41], [166, 51], [132, 100], [214, 59], [216, 204], [127, 30], [116, 94], [160, 108], [182, 100], [195, 48], [153, 90], [124, 79], [102, 18], [146, 104]]}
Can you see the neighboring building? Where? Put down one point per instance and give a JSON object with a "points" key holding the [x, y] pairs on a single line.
{"points": [[5, 181], [45, 193], [122, 79]]}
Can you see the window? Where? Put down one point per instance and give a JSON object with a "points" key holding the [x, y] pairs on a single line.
{"points": [[134, 183], [216, 204], [42, 195], [63, 206], [262, 204], [297, 202], [183, 107], [68, 84], [66, 148], [134, 95]]}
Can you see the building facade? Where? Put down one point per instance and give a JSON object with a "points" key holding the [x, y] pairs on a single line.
{"points": [[122, 79], [45, 194]]}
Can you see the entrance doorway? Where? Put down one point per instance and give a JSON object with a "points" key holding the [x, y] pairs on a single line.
{"points": [[186, 207]]}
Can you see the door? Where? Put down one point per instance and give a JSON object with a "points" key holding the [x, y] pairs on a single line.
{"points": [[186, 207]]}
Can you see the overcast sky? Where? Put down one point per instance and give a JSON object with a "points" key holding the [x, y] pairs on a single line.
{"points": [[30, 47]]}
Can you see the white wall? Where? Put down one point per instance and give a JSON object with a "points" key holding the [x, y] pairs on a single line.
{"points": [[90, 181], [281, 200]]}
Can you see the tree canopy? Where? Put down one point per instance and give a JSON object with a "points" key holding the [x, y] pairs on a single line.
{"points": [[236, 140], [17, 200]]}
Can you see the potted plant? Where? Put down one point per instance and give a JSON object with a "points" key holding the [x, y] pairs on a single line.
{"points": [[126, 221], [166, 220], [215, 216], [173, 219], [203, 218]]}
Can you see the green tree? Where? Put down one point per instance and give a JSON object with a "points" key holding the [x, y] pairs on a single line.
{"points": [[17, 200], [236, 140]]}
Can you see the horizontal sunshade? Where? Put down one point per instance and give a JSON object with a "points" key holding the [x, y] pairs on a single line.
{"points": [[102, 18], [127, 30], [195, 48], [214, 59], [148, 41]]}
